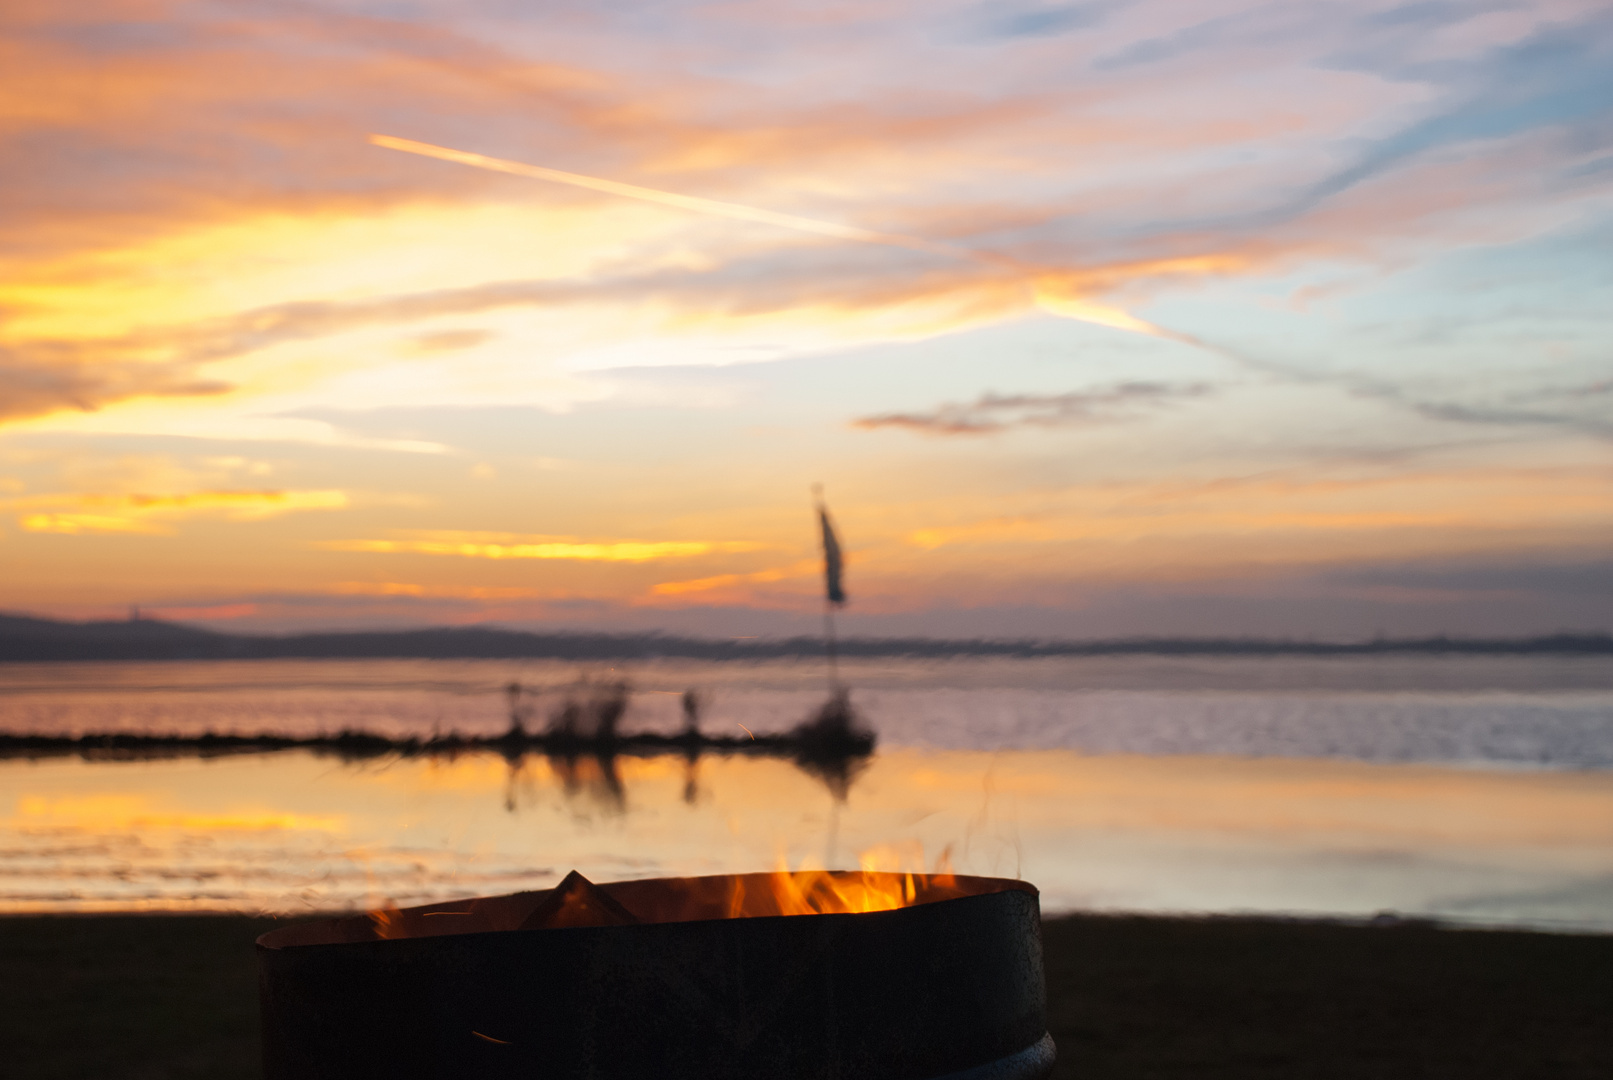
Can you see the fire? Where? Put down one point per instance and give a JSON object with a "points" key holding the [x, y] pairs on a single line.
{"points": [[816, 892], [882, 884], [578, 902], [901, 858], [387, 922], [820, 892]]}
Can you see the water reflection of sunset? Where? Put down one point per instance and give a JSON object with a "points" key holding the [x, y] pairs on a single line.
{"points": [[295, 833]]}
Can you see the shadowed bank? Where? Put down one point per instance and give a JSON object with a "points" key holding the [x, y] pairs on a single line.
{"points": [[126, 996]]}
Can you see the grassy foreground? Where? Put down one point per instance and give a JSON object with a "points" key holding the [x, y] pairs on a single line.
{"points": [[159, 997]]}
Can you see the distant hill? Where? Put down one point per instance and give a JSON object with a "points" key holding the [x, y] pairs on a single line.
{"points": [[23, 638]]}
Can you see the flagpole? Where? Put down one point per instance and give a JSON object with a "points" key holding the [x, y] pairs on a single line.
{"points": [[829, 645]]}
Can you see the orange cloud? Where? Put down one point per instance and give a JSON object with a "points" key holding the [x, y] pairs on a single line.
{"points": [[728, 581], [1149, 530], [1065, 293], [506, 546], [667, 198], [400, 588], [73, 524], [151, 513], [163, 302]]}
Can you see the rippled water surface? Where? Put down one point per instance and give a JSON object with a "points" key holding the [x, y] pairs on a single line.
{"points": [[1477, 789]]}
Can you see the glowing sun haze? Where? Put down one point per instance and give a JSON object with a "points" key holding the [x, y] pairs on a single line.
{"points": [[1103, 318]]}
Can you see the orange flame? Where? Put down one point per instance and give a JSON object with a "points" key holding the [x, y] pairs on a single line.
{"points": [[387, 922], [815, 892], [724, 896], [882, 884], [787, 892], [818, 892]]}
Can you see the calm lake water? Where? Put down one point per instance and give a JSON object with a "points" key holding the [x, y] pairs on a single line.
{"points": [[1469, 789]]}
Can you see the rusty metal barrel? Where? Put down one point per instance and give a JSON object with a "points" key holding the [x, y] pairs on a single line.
{"points": [[948, 986]]}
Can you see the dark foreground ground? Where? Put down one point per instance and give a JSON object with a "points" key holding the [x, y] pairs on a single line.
{"points": [[126, 997]]}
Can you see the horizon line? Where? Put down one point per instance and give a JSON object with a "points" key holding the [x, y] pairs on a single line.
{"points": [[112, 636]]}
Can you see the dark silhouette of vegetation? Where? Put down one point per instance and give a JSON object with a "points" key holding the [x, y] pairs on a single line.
{"points": [[581, 741]]}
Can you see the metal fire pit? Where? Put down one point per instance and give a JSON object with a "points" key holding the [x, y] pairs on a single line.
{"points": [[950, 986]]}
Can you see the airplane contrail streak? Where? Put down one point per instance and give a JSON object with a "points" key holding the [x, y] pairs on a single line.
{"points": [[669, 198], [1045, 283]]}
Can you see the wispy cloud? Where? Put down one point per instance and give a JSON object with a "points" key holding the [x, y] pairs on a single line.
{"points": [[155, 513], [1074, 169], [1557, 77], [1057, 291], [730, 582], [1046, 20], [46, 377], [1294, 517], [507, 546], [439, 592], [693, 203], [993, 413]]}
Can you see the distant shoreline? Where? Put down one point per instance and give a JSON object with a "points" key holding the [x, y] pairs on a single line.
{"points": [[25, 639]]}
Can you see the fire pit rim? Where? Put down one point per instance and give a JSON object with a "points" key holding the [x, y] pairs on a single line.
{"points": [[419, 1008], [273, 939]]}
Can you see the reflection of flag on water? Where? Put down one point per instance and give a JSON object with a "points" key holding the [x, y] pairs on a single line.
{"points": [[833, 561]]}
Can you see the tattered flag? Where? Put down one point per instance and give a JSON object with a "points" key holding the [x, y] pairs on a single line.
{"points": [[833, 561]]}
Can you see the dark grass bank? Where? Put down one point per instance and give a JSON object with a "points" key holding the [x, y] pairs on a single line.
{"points": [[149, 997]]}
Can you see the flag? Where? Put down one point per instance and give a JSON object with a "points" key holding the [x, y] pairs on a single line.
{"points": [[833, 562]]}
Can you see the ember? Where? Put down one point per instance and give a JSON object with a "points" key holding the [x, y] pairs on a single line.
{"points": [[868, 974]]}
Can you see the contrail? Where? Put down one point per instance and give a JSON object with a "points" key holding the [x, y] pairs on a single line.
{"points": [[1044, 282], [669, 198]]}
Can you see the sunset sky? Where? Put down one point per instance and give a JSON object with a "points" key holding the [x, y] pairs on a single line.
{"points": [[1096, 319]]}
